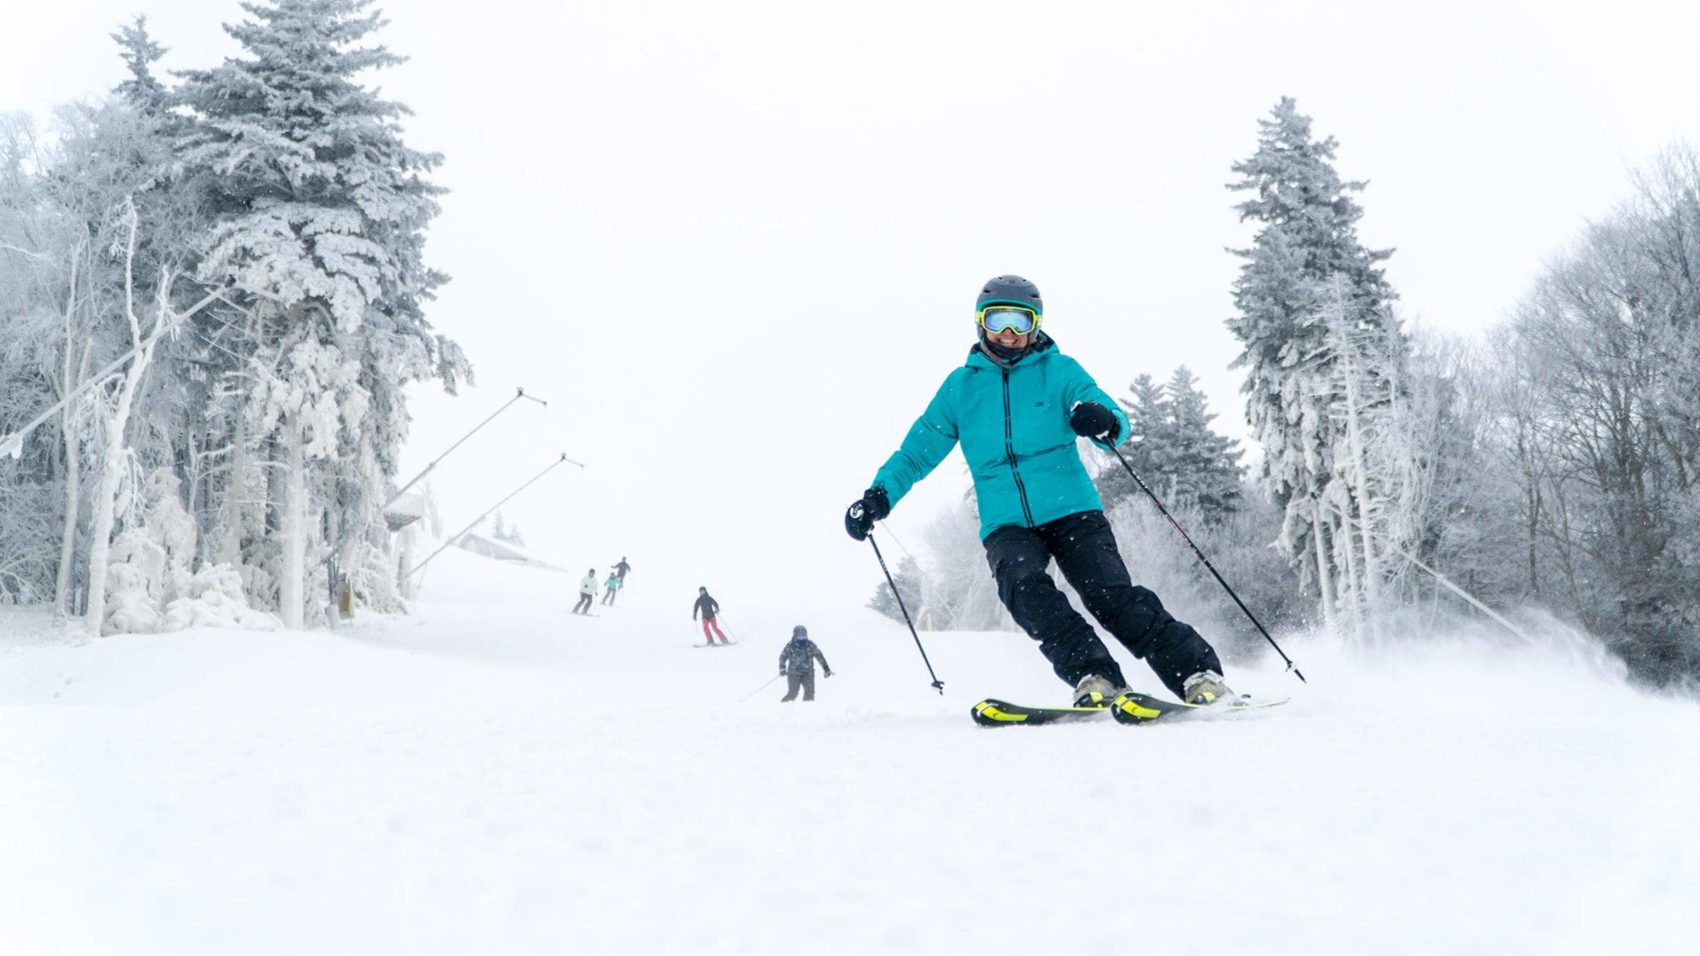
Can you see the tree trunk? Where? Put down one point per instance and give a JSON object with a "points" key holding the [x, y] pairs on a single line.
{"points": [[1319, 543], [1351, 582], [105, 503], [73, 444], [68, 538], [293, 566], [1371, 569], [235, 494]]}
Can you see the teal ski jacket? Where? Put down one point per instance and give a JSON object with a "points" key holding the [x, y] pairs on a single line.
{"points": [[1012, 422]]}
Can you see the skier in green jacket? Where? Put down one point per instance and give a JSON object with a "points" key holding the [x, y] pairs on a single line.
{"points": [[1017, 407]]}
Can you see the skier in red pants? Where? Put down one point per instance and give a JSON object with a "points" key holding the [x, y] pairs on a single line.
{"points": [[709, 608]]}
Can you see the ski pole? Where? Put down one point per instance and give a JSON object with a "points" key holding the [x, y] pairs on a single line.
{"points": [[939, 684], [759, 689], [1195, 550]]}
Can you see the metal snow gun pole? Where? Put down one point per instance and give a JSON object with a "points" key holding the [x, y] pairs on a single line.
{"points": [[519, 393], [457, 535]]}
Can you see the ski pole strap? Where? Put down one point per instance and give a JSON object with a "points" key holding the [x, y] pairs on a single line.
{"points": [[937, 684]]}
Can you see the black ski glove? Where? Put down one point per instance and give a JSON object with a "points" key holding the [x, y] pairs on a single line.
{"points": [[829, 672], [1093, 420], [859, 518]]}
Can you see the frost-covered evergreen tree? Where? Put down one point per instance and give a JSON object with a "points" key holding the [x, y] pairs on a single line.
{"points": [[1203, 468], [320, 211], [1363, 383], [911, 583], [270, 209], [143, 89], [1148, 440], [1174, 450], [1304, 278]]}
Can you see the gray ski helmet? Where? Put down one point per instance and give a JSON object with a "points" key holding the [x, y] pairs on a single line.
{"points": [[799, 631], [1012, 289]]}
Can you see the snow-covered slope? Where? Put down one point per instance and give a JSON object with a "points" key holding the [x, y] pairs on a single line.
{"points": [[494, 775]]}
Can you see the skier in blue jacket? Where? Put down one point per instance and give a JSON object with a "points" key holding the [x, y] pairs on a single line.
{"points": [[1016, 407]]}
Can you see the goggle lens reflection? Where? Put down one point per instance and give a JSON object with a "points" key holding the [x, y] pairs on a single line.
{"points": [[997, 318]]}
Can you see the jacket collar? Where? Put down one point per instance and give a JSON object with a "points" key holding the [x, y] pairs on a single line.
{"points": [[984, 357]]}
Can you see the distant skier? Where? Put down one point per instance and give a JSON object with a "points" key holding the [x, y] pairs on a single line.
{"points": [[710, 609], [586, 593], [1016, 407], [797, 663], [621, 569], [611, 588]]}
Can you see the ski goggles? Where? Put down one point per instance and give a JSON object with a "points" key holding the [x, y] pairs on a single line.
{"points": [[1015, 318]]}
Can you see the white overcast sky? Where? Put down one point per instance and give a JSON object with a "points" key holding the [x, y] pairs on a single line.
{"points": [[735, 244]]}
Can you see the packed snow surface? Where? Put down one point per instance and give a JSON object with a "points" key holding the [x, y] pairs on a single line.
{"points": [[494, 775]]}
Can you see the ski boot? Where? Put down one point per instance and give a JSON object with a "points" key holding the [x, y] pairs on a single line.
{"points": [[1095, 690], [1205, 687]]}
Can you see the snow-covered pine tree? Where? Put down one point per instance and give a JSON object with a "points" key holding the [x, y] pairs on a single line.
{"points": [[321, 212], [911, 582], [1357, 375], [1306, 235], [1174, 450], [1203, 467], [1146, 449], [143, 90], [186, 405]]}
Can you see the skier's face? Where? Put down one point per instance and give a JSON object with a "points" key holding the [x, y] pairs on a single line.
{"points": [[1009, 338]]}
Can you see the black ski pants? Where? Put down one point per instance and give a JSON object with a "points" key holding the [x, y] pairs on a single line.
{"points": [[1085, 550], [583, 606], [794, 680]]}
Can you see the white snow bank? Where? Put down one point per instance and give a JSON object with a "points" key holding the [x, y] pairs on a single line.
{"points": [[213, 598]]}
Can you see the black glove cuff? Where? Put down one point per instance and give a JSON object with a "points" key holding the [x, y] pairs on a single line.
{"points": [[1090, 420], [877, 502]]}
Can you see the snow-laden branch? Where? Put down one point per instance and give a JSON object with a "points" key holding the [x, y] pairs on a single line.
{"points": [[11, 446]]}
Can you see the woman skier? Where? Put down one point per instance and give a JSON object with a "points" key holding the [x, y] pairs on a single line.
{"points": [[1016, 406]]}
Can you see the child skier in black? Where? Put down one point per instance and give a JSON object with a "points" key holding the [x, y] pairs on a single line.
{"points": [[797, 663]]}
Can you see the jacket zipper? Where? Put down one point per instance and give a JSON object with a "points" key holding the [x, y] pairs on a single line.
{"points": [[1009, 449]]}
